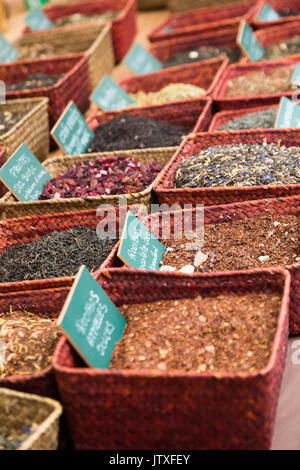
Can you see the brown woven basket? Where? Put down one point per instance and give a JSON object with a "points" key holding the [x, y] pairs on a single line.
{"points": [[19, 410], [220, 119], [224, 103], [11, 208], [194, 143], [32, 129], [278, 5], [213, 18], [184, 5], [174, 409], [95, 42]]}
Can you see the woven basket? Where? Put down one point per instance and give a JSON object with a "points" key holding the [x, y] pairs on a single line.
{"points": [[184, 5], [276, 34], [19, 410], [224, 103], [3, 188], [194, 143], [74, 85], [95, 42], [10, 208], [151, 4], [278, 5], [220, 119], [171, 409], [123, 27], [32, 129], [165, 49], [221, 214], [201, 21], [204, 74]]}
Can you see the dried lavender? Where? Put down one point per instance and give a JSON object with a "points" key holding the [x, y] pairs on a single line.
{"points": [[263, 119], [240, 165], [134, 132], [202, 53], [59, 254], [109, 175]]}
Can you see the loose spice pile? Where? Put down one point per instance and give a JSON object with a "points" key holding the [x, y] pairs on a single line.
{"points": [[202, 53], [78, 18], [263, 119], [285, 48], [240, 165], [8, 120], [36, 80], [109, 175], [174, 91], [37, 50], [29, 342], [256, 242], [133, 132], [11, 440], [275, 80], [224, 333], [59, 254]]}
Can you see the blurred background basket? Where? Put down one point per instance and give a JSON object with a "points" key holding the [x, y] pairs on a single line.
{"points": [[151, 4], [184, 5], [278, 5], [21, 410], [222, 118]]}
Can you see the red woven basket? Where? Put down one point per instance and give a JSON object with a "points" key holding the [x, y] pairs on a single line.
{"points": [[194, 143], [166, 49], [74, 85], [224, 103], [220, 119], [278, 5], [221, 214], [128, 409], [190, 115], [203, 20], [3, 188], [276, 34], [123, 27]]}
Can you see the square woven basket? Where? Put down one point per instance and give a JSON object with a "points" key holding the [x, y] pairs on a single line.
{"points": [[154, 409], [32, 129], [221, 118], [184, 5], [217, 18], [280, 6], [11, 208], [74, 85], [19, 410], [95, 42], [224, 103], [123, 27], [194, 143]]}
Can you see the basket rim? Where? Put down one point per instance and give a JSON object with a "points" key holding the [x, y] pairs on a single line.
{"points": [[264, 24], [157, 374]]}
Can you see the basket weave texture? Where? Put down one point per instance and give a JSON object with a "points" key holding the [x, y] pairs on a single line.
{"points": [[3, 188], [278, 5], [123, 27], [74, 85], [184, 5], [19, 410], [95, 42], [202, 21], [174, 409]]}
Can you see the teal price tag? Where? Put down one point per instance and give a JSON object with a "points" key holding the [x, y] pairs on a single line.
{"points": [[110, 97], [288, 114], [140, 61], [38, 21], [268, 13], [8, 53], [249, 43]]}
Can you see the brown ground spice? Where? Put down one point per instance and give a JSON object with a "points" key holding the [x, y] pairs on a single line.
{"points": [[224, 333], [255, 242], [30, 341]]}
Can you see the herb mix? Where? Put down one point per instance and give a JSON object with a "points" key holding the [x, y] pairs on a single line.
{"points": [[36, 80], [174, 91], [283, 49], [224, 333], [8, 120], [263, 119], [59, 254], [11, 440], [202, 53], [78, 18], [109, 175]]}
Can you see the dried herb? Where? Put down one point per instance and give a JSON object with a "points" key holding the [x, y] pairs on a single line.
{"points": [[133, 132], [41, 50], [35, 80], [29, 342], [202, 53], [171, 92], [283, 49], [263, 119], [224, 333], [240, 165], [109, 175], [11, 440], [8, 119], [78, 18], [59, 254]]}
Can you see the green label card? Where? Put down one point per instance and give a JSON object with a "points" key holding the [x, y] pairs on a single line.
{"points": [[140, 61], [91, 321], [110, 96], [32, 4], [139, 249], [249, 43], [288, 114], [8, 53], [71, 131], [24, 176], [38, 21], [268, 13], [296, 76]]}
